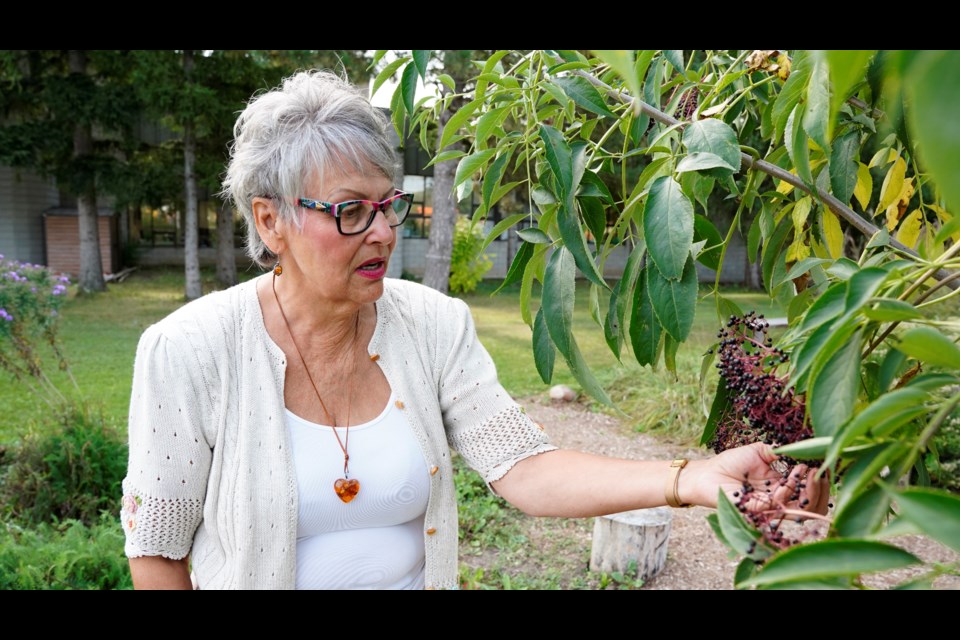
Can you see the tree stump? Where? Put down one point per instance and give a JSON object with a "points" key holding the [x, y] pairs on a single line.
{"points": [[640, 536]]}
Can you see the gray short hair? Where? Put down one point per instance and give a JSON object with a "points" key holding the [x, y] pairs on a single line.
{"points": [[314, 121]]}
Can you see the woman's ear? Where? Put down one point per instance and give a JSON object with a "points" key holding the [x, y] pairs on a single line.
{"points": [[269, 225]]}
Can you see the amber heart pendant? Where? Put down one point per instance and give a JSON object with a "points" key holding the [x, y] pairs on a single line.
{"points": [[346, 490]]}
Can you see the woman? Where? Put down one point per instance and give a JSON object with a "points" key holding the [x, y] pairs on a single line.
{"points": [[294, 431]]}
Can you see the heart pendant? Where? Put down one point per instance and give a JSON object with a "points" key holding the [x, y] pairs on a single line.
{"points": [[346, 490]]}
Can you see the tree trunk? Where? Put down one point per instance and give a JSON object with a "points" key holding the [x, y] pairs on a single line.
{"points": [[440, 245], [191, 248], [91, 268], [226, 261]]}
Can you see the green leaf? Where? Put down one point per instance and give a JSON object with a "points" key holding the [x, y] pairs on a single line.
{"points": [[801, 268], [936, 513], [448, 82], [831, 558], [492, 177], [408, 87], [741, 537], [668, 227], [559, 156], [806, 355], [753, 239], [827, 307], [721, 402], [745, 570], [488, 122], [702, 160], [847, 69], [534, 236], [595, 216], [949, 228], [890, 368], [861, 288], [796, 141], [714, 137], [809, 449], [934, 83], [670, 347], [703, 229], [816, 117], [930, 346], [791, 93], [500, 227], [889, 310], [620, 300], [444, 156], [674, 301], [771, 255], [584, 95], [420, 59], [622, 62], [457, 120], [863, 514], [890, 404], [866, 469], [558, 300], [675, 58], [844, 165], [471, 164], [576, 243], [518, 266], [644, 326], [833, 393], [844, 268], [544, 353], [387, 73]]}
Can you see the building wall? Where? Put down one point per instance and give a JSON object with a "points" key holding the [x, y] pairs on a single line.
{"points": [[24, 197]]}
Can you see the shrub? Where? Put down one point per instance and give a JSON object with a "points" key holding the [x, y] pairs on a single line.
{"points": [[70, 555], [467, 264], [70, 469]]}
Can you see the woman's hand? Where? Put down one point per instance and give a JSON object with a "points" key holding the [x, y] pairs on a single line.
{"points": [[750, 466]]}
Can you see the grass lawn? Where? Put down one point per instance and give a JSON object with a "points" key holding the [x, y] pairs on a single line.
{"points": [[100, 335]]}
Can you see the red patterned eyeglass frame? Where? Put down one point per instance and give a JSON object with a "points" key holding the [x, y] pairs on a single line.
{"points": [[333, 208]]}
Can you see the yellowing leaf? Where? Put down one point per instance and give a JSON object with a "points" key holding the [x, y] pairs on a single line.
{"points": [[909, 231], [896, 210], [864, 187], [882, 157], [945, 217], [892, 185], [797, 251], [785, 187], [800, 212], [832, 234]]}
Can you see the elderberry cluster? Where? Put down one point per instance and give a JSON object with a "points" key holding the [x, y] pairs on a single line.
{"points": [[763, 408], [764, 507]]}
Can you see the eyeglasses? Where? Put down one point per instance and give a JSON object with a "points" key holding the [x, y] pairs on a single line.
{"points": [[356, 216]]}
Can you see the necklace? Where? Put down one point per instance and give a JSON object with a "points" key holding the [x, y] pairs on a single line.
{"points": [[346, 487]]}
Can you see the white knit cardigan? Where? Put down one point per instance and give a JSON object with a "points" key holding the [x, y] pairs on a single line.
{"points": [[210, 471]]}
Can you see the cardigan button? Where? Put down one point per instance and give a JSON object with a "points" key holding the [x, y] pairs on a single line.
{"points": [[399, 404], [433, 470], [374, 357], [431, 531]]}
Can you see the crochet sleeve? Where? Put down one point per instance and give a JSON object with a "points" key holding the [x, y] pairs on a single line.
{"points": [[484, 424], [170, 454]]}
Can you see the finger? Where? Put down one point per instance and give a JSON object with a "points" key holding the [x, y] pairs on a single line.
{"points": [[788, 491]]}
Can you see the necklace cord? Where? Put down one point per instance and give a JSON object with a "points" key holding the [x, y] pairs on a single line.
{"points": [[345, 443]]}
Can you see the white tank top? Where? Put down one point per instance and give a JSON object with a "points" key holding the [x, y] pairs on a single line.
{"points": [[375, 541]]}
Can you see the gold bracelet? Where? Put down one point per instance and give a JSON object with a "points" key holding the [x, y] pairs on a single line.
{"points": [[673, 483]]}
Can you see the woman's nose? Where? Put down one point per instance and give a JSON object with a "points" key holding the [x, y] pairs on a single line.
{"points": [[380, 229]]}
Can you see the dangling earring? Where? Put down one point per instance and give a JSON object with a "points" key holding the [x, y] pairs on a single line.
{"points": [[277, 269]]}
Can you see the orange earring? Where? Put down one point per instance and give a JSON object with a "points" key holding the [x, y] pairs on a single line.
{"points": [[277, 269]]}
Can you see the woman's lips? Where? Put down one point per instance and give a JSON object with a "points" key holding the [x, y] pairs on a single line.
{"points": [[373, 269]]}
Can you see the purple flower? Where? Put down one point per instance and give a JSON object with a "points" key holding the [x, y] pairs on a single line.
{"points": [[6, 316], [59, 290], [64, 279], [33, 289]]}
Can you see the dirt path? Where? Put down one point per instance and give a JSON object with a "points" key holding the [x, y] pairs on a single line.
{"points": [[696, 560]]}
